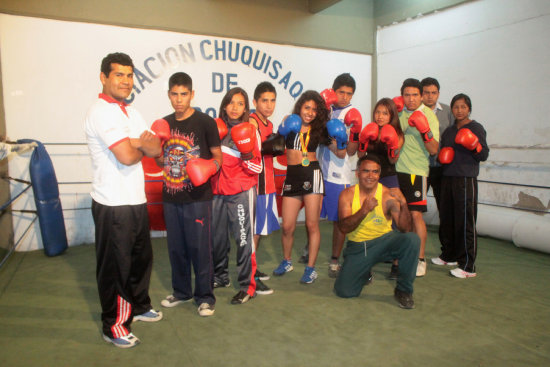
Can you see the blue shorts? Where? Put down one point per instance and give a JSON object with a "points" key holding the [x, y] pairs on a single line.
{"points": [[267, 217], [329, 209], [390, 181]]}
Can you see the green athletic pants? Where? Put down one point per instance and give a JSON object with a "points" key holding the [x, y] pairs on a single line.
{"points": [[360, 257]]}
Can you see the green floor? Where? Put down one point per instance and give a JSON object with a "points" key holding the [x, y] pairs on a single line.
{"points": [[49, 316]]}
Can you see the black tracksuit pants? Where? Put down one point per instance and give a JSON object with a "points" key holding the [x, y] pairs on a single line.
{"points": [[124, 263], [457, 216]]}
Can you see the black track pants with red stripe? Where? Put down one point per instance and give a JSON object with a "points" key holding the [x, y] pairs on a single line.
{"points": [[124, 262]]}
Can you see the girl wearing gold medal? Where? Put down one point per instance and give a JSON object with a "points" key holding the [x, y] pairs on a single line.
{"points": [[304, 180]]}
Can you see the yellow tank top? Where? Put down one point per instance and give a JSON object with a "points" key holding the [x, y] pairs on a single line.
{"points": [[374, 224]]}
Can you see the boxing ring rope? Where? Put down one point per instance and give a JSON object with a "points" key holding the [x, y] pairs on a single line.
{"points": [[8, 203], [48, 208], [4, 206], [14, 247], [3, 211], [515, 184], [530, 209]]}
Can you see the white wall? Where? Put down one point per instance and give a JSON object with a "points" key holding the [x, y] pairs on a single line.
{"points": [[50, 72], [495, 51]]}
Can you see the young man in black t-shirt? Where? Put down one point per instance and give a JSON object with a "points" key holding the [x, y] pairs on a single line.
{"points": [[187, 195]]}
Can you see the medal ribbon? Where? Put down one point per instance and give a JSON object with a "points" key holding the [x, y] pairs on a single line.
{"points": [[305, 161], [304, 144]]}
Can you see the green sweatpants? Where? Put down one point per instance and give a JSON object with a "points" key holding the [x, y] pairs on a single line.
{"points": [[360, 257]]}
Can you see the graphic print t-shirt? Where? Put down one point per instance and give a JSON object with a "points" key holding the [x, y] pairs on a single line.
{"points": [[190, 139]]}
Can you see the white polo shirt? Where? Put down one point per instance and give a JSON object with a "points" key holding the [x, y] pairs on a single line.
{"points": [[107, 124]]}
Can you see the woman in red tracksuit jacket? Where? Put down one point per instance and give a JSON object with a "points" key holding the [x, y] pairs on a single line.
{"points": [[235, 195]]}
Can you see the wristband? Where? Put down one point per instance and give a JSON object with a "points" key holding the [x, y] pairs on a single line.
{"points": [[427, 136]]}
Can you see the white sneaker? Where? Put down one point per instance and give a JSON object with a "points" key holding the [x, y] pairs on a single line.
{"points": [[438, 261], [171, 301], [459, 273], [421, 268], [149, 316], [206, 309], [333, 270], [126, 341]]}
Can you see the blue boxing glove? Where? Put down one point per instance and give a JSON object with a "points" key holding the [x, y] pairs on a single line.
{"points": [[337, 130], [292, 124]]}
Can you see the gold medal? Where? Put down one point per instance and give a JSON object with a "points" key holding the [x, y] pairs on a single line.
{"points": [[305, 161]]}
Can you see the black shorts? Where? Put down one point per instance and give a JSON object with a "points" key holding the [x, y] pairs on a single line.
{"points": [[302, 180], [414, 189]]}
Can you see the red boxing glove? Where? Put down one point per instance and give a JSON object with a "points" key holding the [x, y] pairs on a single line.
{"points": [[329, 95], [369, 132], [222, 128], [200, 170], [446, 155], [399, 103], [389, 136], [419, 120], [161, 128], [353, 118], [468, 140], [244, 137]]}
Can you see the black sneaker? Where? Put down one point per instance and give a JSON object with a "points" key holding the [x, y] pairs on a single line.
{"points": [[261, 288], [394, 272], [304, 259], [240, 298], [369, 280], [221, 284], [405, 300], [261, 275]]}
